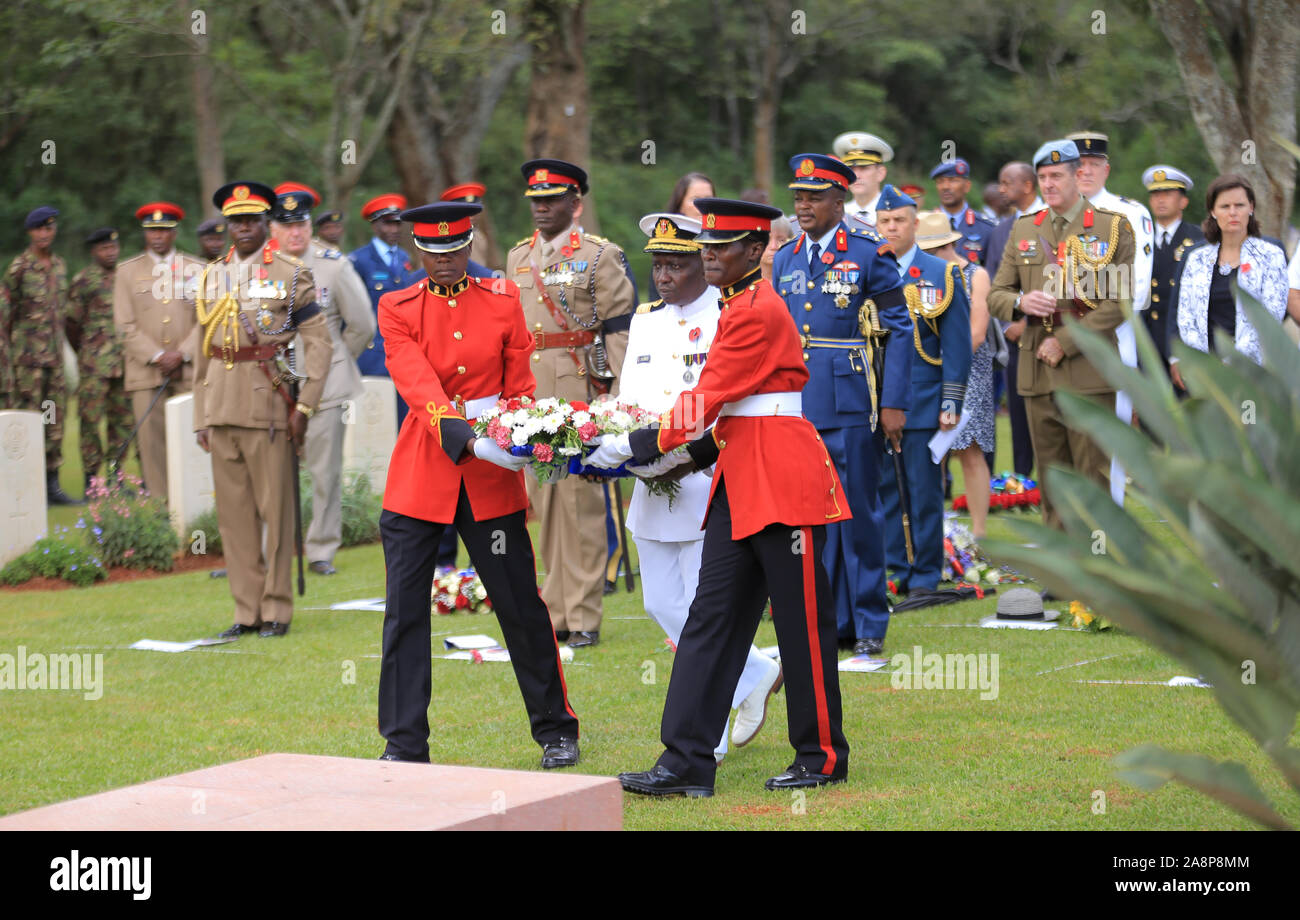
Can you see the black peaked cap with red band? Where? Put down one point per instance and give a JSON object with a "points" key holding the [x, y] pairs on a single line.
{"points": [[444, 226], [726, 220]]}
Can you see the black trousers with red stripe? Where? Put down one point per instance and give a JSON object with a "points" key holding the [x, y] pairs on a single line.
{"points": [[736, 579], [502, 554]]}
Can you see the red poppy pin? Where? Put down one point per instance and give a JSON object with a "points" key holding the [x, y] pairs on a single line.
{"points": [[695, 334], [1024, 245], [914, 272], [261, 274], [407, 265], [1245, 266], [566, 251], [828, 257], [973, 256]]}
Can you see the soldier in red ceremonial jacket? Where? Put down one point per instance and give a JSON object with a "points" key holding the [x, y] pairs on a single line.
{"points": [[774, 491], [454, 346]]}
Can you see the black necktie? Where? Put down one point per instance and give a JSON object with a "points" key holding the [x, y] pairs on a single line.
{"points": [[814, 253], [1164, 239]]}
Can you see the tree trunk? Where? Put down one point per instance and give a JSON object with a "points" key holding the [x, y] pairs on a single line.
{"points": [[208, 151], [1239, 124], [558, 119]]}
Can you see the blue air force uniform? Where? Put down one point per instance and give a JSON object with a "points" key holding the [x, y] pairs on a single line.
{"points": [[381, 276], [825, 282], [941, 359]]}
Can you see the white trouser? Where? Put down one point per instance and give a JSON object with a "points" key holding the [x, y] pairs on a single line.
{"points": [[1127, 343], [670, 573]]}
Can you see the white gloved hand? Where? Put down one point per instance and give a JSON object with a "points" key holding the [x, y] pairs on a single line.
{"points": [[613, 451], [665, 464], [489, 450]]}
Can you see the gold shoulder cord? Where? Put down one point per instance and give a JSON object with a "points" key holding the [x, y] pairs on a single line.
{"points": [[224, 314], [930, 315], [1078, 255]]}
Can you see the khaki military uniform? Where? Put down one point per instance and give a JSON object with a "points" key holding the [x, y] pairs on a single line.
{"points": [[247, 418], [587, 274], [346, 305], [153, 306], [100, 395], [1078, 263], [33, 297]]}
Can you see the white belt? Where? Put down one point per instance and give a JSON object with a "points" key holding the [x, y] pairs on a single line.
{"points": [[766, 404], [476, 407]]}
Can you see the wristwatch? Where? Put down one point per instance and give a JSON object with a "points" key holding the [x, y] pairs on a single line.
{"points": [[305, 409]]}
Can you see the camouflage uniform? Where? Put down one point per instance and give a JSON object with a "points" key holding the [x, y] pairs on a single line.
{"points": [[32, 298], [100, 361]]}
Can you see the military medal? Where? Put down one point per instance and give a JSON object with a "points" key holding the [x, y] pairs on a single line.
{"points": [[688, 377], [841, 301], [265, 319]]}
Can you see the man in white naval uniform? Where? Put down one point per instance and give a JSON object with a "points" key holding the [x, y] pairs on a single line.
{"points": [[1094, 168], [346, 305], [866, 155], [667, 346]]}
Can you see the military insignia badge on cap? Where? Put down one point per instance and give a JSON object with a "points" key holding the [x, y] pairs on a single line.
{"points": [[670, 233], [159, 214], [1159, 178], [290, 203], [442, 227]]}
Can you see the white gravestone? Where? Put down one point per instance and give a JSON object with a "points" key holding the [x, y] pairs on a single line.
{"points": [[370, 430], [189, 467], [22, 483]]}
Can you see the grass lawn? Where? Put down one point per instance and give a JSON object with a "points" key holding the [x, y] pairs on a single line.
{"points": [[1031, 758]]}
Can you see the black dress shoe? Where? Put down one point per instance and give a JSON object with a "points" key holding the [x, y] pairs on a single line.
{"points": [[662, 781], [797, 776], [271, 630], [610, 587], [869, 647], [584, 639], [321, 567], [844, 643], [54, 493], [397, 759], [560, 753], [237, 630], [562, 635]]}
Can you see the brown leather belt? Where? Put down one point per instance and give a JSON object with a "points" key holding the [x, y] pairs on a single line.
{"points": [[248, 353], [562, 339]]}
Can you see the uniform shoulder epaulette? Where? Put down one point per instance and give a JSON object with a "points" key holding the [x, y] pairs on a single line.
{"points": [[406, 293], [596, 239], [1130, 201], [650, 306], [135, 258], [498, 285], [867, 233], [292, 260], [326, 252], [524, 241]]}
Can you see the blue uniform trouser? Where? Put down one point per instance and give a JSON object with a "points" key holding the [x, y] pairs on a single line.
{"points": [[855, 550], [925, 490]]}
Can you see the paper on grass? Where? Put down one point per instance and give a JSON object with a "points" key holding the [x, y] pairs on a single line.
{"points": [[486, 654], [942, 441], [470, 642], [1180, 681], [159, 645], [863, 663], [369, 603]]}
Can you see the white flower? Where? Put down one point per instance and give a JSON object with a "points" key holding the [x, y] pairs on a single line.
{"points": [[519, 437], [547, 404], [507, 419], [581, 418]]}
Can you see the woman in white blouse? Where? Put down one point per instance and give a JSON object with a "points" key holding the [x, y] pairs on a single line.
{"points": [[1233, 250]]}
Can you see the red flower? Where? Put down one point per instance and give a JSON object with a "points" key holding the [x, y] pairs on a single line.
{"points": [[695, 334], [566, 251], [579, 406], [959, 503], [512, 405], [1245, 266], [914, 272], [462, 601], [1024, 245], [588, 431], [543, 452]]}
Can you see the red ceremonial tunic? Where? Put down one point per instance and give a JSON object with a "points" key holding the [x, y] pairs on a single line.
{"points": [[776, 467], [446, 346]]}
